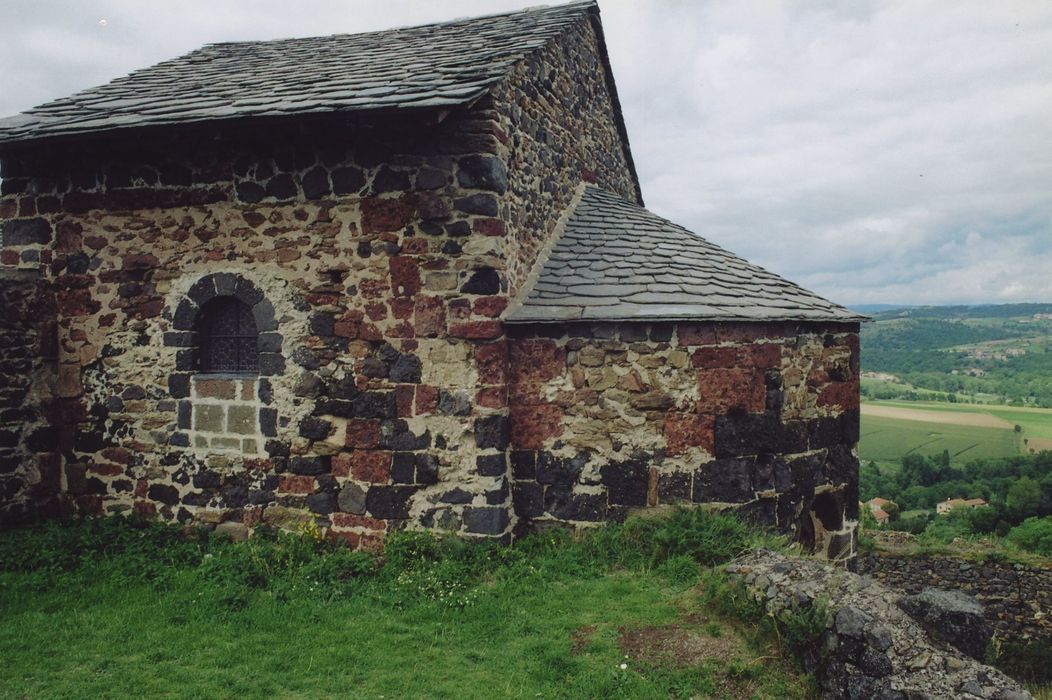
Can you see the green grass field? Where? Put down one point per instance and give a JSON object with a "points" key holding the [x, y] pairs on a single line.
{"points": [[104, 612], [889, 439]]}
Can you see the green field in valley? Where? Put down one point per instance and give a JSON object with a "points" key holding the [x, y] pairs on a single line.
{"points": [[966, 431], [889, 439]]}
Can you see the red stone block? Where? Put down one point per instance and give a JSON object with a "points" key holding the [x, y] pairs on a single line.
{"points": [[460, 309], [296, 483], [404, 400], [477, 330], [531, 363], [106, 469], [405, 275], [9, 257], [341, 464], [117, 454], [712, 357], [685, 430], [489, 227], [141, 488], [490, 306], [426, 399], [386, 214], [373, 466], [842, 394], [68, 238], [144, 509], [345, 329], [363, 432], [8, 208], [402, 329], [492, 397], [429, 316], [492, 362], [27, 206], [376, 311], [722, 389], [95, 242], [139, 261], [76, 302], [359, 521], [696, 333], [533, 425], [402, 308], [414, 246], [762, 355]]}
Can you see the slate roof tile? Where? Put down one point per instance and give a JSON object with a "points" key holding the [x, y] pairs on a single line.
{"points": [[437, 65], [617, 261]]}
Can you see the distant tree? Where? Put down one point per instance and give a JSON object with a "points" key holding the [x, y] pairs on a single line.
{"points": [[892, 509], [1023, 497], [1035, 535]]}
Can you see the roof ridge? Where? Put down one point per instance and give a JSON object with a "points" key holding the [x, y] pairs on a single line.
{"points": [[401, 28]]}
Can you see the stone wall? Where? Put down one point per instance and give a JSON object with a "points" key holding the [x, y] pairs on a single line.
{"points": [[29, 474], [1016, 598], [372, 253], [607, 418], [561, 130]]}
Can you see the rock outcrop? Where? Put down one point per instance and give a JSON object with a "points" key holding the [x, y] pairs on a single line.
{"points": [[870, 647]]}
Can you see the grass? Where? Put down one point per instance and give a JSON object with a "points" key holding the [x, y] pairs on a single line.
{"points": [[111, 608], [886, 439]]}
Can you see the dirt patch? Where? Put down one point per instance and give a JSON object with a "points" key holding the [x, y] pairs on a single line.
{"points": [[1038, 444], [674, 645], [581, 638], [975, 420]]}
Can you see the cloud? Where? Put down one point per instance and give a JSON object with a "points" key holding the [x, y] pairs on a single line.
{"points": [[874, 152]]}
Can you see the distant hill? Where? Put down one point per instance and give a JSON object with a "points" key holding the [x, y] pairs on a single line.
{"points": [[1000, 353], [877, 308]]}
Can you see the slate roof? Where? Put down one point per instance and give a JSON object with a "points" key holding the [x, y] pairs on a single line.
{"points": [[435, 66], [616, 261]]}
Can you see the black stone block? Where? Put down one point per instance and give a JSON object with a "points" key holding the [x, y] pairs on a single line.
{"points": [[674, 488], [282, 186], [524, 465], [179, 440], [374, 404], [823, 432], [483, 172], [163, 493], [482, 204], [562, 503], [19, 232], [315, 428], [528, 500], [271, 364], [268, 422], [484, 280], [388, 180], [426, 469], [498, 495], [403, 468], [322, 324], [310, 466], [486, 521], [246, 292], [724, 481], [492, 432], [456, 496], [203, 291], [559, 470], [263, 314], [184, 316], [406, 369], [250, 192], [491, 465], [269, 342], [316, 183], [234, 495], [348, 180], [180, 339], [626, 482], [323, 503], [389, 502], [207, 479]]}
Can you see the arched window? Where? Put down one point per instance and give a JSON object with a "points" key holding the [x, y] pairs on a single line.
{"points": [[228, 338]]}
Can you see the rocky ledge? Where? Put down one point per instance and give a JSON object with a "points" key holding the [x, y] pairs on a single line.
{"points": [[871, 648]]}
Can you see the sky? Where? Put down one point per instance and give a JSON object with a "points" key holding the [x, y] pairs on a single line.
{"points": [[874, 152]]}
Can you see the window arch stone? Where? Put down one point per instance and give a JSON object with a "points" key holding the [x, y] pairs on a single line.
{"points": [[224, 410]]}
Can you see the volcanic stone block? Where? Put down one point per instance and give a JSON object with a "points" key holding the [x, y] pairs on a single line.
{"points": [[389, 502], [626, 482], [492, 432], [486, 521]]}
